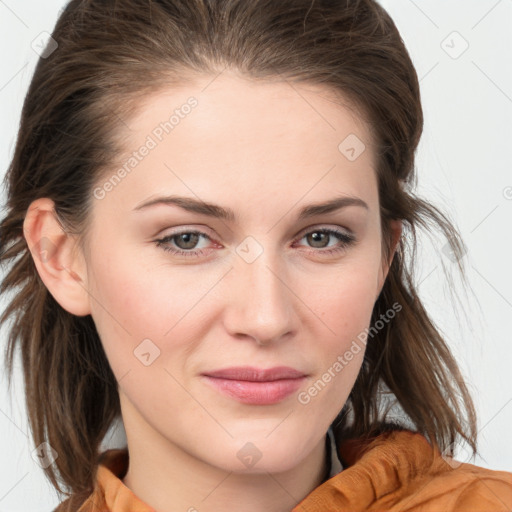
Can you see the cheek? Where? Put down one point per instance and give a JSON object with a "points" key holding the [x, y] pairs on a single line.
{"points": [[343, 320], [127, 307], [141, 308], [347, 302]]}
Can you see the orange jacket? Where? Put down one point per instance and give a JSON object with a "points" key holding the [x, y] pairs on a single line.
{"points": [[396, 471]]}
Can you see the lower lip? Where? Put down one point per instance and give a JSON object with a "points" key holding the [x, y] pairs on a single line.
{"points": [[256, 393]]}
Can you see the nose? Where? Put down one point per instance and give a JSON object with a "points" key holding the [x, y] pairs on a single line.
{"points": [[261, 305]]}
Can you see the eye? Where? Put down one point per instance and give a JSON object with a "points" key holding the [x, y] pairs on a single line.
{"points": [[185, 238], [319, 236], [186, 242]]}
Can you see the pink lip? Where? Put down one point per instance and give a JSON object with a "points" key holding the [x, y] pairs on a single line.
{"points": [[256, 386]]}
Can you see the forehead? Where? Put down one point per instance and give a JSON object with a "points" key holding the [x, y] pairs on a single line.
{"points": [[231, 133], [230, 104]]}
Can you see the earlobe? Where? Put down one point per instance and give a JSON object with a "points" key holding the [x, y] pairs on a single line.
{"points": [[60, 267]]}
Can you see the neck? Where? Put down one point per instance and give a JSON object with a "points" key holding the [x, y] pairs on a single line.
{"points": [[168, 478]]}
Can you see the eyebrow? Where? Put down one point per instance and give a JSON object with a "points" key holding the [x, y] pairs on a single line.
{"points": [[216, 211]]}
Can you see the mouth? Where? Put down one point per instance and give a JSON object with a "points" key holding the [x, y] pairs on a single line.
{"points": [[256, 386]]}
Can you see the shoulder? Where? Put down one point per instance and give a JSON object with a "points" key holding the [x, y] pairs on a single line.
{"points": [[430, 481], [470, 488], [401, 471]]}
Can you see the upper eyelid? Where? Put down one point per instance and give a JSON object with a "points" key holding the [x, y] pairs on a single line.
{"points": [[321, 227], [206, 231]]}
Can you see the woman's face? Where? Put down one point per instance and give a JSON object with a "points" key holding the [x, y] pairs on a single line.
{"points": [[264, 288]]}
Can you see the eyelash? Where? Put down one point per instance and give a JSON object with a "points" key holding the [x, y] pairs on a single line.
{"points": [[346, 241]]}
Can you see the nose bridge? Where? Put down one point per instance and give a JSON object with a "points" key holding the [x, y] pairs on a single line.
{"points": [[261, 306]]}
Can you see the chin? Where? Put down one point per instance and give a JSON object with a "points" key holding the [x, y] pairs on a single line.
{"points": [[257, 454]]}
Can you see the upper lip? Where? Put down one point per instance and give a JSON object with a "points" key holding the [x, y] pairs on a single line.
{"points": [[253, 374]]}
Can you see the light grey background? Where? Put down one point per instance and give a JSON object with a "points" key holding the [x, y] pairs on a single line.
{"points": [[464, 165]]}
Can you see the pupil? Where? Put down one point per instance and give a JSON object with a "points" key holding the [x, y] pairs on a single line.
{"points": [[190, 240], [317, 236]]}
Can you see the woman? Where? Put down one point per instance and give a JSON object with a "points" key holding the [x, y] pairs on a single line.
{"points": [[211, 204]]}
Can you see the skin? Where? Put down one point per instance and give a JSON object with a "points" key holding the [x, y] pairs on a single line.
{"points": [[264, 150]]}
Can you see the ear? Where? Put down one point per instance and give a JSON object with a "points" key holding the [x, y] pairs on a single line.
{"points": [[396, 231], [61, 267]]}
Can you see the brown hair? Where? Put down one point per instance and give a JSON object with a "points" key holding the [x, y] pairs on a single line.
{"points": [[111, 54]]}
